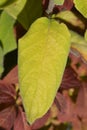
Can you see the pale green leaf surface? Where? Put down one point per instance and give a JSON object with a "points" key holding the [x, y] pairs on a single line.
{"points": [[43, 53], [59, 2], [25, 11], [81, 6], [86, 35], [7, 37], [79, 45], [71, 18]]}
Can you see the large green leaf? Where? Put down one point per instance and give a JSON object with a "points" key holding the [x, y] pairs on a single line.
{"points": [[7, 37], [43, 53], [81, 6], [25, 11], [79, 45]]}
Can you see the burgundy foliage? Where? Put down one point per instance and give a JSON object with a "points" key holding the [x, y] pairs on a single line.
{"points": [[70, 79], [7, 93], [7, 117], [68, 4], [20, 122]]}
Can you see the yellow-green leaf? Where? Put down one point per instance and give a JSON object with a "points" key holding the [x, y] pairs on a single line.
{"points": [[81, 6], [86, 35], [71, 18], [7, 37], [79, 45], [4, 3], [43, 53], [59, 2]]}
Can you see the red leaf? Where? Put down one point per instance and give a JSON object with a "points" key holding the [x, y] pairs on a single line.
{"points": [[40, 122], [68, 4], [20, 122], [69, 79], [60, 102], [78, 65], [69, 113], [7, 93], [12, 76], [45, 4], [81, 104], [77, 125], [7, 117]]}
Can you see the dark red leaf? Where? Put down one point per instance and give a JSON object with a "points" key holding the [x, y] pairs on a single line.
{"points": [[19, 31], [40, 122], [68, 4], [45, 4], [7, 117], [12, 76], [70, 79], [20, 122], [7, 93]]}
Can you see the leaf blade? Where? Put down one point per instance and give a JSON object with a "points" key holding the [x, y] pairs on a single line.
{"points": [[42, 57], [7, 37], [21, 10], [81, 6], [79, 45]]}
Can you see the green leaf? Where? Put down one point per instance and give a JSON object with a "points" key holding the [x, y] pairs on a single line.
{"points": [[4, 3], [81, 6], [86, 35], [1, 60], [25, 11], [59, 2], [71, 18], [79, 45], [7, 37], [43, 53]]}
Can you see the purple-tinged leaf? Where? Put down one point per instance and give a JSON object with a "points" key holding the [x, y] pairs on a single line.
{"points": [[7, 117], [40, 122], [12, 76], [70, 79], [69, 113], [60, 102], [7, 93], [20, 122], [81, 104], [68, 4], [45, 4]]}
